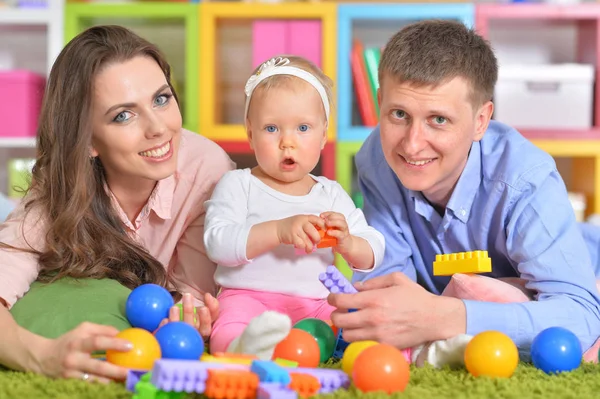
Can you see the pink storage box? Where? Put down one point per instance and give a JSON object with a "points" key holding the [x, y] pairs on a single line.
{"points": [[21, 95]]}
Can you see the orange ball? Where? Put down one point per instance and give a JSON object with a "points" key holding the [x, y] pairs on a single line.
{"points": [[299, 346], [142, 356], [381, 367]]}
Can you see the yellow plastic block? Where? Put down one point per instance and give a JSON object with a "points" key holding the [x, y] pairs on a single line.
{"points": [[226, 360], [286, 363], [462, 262]]}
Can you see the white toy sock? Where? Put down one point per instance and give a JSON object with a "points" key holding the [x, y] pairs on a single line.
{"points": [[261, 335], [449, 352]]}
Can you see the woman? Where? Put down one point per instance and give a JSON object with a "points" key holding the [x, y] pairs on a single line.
{"points": [[116, 198]]}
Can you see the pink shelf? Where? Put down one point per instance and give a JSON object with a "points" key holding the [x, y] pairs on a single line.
{"points": [[560, 134], [537, 11]]}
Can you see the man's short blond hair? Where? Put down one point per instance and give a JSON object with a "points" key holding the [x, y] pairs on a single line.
{"points": [[433, 52]]}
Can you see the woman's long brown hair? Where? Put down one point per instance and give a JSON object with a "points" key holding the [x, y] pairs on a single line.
{"points": [[85, 237]]}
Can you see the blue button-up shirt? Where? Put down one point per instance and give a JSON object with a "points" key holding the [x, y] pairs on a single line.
{"points": [[511, 201]]}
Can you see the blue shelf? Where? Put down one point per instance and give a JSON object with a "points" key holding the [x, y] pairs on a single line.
{"points": [[354, 133], [348, 14]]}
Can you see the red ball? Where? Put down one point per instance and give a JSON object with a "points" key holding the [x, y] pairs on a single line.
{"points": [[381, 367], [299, 346]]}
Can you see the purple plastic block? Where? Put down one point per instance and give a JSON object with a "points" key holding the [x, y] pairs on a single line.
{"points": [[185, 375], [271, 390], [133, 377], [330, 379], [335, 281]]}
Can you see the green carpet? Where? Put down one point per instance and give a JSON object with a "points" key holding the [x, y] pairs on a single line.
{"points": [[527, 382]]}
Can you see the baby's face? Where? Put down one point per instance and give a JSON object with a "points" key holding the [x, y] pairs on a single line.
{"points": [[287, 129]]}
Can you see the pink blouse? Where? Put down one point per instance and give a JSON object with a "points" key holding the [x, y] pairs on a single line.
{"points": [[170, 226]]}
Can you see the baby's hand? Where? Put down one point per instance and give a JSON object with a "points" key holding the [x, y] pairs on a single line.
{"points": [[337, 227], [300, 231]]}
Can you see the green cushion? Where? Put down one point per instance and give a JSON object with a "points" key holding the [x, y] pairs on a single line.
{"points": [[53, 309]]}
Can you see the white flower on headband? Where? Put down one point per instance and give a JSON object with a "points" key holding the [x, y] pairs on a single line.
{"points": [[265, 67]]}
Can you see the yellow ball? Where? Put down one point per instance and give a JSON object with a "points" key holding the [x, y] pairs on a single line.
{"points": [[145, 352], [352, 352], [491, 354]]}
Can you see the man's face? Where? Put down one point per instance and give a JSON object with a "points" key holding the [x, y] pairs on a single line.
{"points": [[427, 132]]}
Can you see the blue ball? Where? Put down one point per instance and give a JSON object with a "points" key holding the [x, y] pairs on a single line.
{"points": [[556, 350], [179, 340], [147, 305]]}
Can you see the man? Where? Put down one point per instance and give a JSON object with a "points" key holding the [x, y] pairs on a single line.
{"points": [[439, 177]]}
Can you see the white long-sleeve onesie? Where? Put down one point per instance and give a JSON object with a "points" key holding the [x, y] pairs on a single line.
{"points": [[240, 200]]}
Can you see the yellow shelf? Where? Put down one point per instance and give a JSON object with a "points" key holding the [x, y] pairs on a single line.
{"points": [[569, 148]]}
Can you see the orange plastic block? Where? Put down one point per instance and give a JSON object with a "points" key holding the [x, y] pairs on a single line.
{"points": [[231, 384], [305, 385], [326, 240]]}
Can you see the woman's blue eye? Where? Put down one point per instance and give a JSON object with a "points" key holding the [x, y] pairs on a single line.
{"points": [[303, 128], [162, 99], [121, 117], [271, 129]]}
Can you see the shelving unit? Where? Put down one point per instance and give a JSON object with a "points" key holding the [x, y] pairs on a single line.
{"points": [[222, 80], [34, 38], [172, 26], [577, 151], [49, 19]]}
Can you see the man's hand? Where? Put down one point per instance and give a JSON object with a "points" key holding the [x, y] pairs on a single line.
{"points": [[395, 310]]}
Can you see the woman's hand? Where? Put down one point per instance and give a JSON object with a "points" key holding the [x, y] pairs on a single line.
{"points": [[70, 355], [206, 314]]}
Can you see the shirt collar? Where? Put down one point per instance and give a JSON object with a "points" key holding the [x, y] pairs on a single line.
{"points": [[461, 200], [160, 202]]}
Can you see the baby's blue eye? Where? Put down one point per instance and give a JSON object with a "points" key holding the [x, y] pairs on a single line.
{"points": [[303, 128], [271, 129]]}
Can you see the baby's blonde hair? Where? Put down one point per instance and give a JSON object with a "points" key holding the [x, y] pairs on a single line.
{"points": [[277, 81]]}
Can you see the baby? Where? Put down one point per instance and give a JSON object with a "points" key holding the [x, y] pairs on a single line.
{"points": [[257, 219]]}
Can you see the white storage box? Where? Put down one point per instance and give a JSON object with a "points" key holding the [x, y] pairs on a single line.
{"points": [[545, 96]]}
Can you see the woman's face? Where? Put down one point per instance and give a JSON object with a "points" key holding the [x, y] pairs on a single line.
{"points": [[136, 123]]}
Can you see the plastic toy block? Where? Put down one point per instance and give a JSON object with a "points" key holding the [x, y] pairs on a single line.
{"points": [[326, 240], [145, 390], [462, 262], [269, 390], [231, 384], [286, 363], [235, 355], [305, 384], [329, 379], [335, 281], [270, 372], [340, 346], [133, 377], [185, 375], [226, 359]]}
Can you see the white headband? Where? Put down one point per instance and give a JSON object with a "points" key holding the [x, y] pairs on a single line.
{"points": [[277, 66]]}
